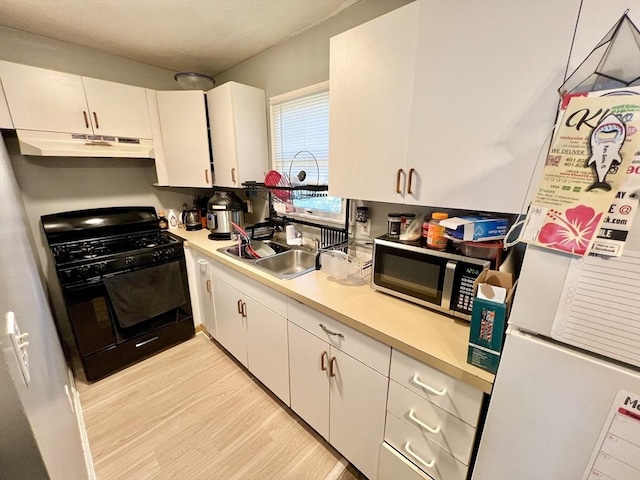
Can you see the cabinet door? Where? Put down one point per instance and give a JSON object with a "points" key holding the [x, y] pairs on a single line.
{"points": [[232, 327], [46, 100], [117, 109], [358, 398], [309, 378], [267, 348], [205, 296], [372, 70], [485, 98], [185, 138], [238, 134]]}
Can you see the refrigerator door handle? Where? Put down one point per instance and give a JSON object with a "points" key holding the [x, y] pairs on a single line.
{"points": [[417, 381]]}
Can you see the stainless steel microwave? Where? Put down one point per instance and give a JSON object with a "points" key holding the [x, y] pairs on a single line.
{"points": [[439, 280]]}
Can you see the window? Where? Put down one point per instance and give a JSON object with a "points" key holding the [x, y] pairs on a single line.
{"points": [[300, 147]]}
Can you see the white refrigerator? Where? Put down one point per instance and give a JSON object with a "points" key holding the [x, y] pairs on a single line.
{"points": [[566, 399]]}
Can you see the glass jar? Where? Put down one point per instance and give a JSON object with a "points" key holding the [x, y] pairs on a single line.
{"points": [[394, 224], [435, 232]]}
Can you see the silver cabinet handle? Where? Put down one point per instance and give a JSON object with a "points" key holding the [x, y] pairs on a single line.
{"points": [[407, 448], [138, 345], [417, 421], [331, 332], [417, 381]]}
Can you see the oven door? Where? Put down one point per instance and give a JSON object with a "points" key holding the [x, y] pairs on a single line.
{"points": [[413, 274], [94, 319]]}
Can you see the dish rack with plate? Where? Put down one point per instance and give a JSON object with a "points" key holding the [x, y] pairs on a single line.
{"points": [[348, 263]]}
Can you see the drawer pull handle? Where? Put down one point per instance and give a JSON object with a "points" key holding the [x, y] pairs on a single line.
{"points": [[407, 448], [322, 364], [202, 262], [417, 381], [138, 345], [331, 332], [419, 422]]}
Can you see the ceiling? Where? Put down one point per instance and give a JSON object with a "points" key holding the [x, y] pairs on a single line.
{"points": [[205, 36]]}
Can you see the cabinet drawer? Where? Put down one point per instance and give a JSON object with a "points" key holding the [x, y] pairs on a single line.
{"points": [[266, 296], [393, 466], [451, 433], [369, 351], [426, 455], [454, 396]]}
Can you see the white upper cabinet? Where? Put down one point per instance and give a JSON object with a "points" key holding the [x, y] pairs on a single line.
{"points": [[371, 83], [485, 98], [5, 116], [238, 121], [117, 109], [450, 101], [51, 101], [185, 139]]}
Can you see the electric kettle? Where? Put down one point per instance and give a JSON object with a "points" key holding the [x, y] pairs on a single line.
{"points": [[191, 220]]}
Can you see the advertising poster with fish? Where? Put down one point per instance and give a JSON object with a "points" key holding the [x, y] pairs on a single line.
{"points": [[593, 148]]}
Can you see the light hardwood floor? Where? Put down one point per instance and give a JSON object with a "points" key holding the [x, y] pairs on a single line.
{"points": [[192, 413]]}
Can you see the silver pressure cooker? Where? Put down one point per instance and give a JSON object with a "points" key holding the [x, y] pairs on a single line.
{"points": [[222, 209]]}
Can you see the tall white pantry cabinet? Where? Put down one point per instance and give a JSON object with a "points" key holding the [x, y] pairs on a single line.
{"points": [[447, 102]]}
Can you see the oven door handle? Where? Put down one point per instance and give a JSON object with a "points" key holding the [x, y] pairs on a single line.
{"points": [[138, 345]]}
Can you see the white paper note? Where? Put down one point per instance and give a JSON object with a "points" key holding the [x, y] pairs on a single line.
{"points": [[616, 455], [599, 308]]}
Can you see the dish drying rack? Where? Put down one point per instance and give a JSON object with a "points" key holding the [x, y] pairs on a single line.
{"points": [[348, 263]]}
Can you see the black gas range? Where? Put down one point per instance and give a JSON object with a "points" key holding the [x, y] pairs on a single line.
{"points": [[124, 283]]}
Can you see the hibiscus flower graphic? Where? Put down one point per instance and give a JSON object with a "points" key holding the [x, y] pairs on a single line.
{"points": [[573, 233]]}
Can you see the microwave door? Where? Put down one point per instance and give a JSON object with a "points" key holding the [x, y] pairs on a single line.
{"points": [[414, 276]]}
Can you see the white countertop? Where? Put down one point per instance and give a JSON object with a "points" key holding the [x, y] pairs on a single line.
{"points": [[431, 337]]}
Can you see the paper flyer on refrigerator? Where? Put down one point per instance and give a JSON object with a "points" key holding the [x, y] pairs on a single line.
{"points": [[588, 161]]}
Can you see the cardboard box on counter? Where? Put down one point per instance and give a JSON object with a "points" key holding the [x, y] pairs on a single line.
{"points": [[475, 229], [489, 319]]}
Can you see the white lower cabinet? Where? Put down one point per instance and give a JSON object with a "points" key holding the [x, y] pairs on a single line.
{"points": [[338, 395], [251, 326], [431, 422], [199, 268]]}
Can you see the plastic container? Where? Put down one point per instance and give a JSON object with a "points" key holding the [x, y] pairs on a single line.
{"points": [[435, 232], [406, 219], [485, 250], [394, 224]]}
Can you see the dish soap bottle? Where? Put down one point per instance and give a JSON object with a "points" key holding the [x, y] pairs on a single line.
{"points": [[435, 232]]}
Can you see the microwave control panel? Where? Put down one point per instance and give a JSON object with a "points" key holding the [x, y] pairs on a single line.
{"points": [[462, 300]]}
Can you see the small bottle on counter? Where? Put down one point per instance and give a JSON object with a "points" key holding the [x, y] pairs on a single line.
{"points": [[162, 220], [394, 224], [435, 232]]}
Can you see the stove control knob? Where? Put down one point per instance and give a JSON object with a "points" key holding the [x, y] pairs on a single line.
{"points": [[157, 255], [101, 267], [129, 260], [168, 253], [67, 274], [83, 271]]}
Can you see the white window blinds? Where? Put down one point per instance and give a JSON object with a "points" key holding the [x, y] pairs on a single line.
{"points": [[300, 134]]}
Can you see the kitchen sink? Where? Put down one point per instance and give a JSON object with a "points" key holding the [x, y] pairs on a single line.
{"points": [[233, 251], [289, 264]]}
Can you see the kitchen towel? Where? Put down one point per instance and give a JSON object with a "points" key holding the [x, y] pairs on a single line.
{"points": [[141, 295]]}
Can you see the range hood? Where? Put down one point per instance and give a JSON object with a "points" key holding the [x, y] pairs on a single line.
{"points": [[54, 144]]}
